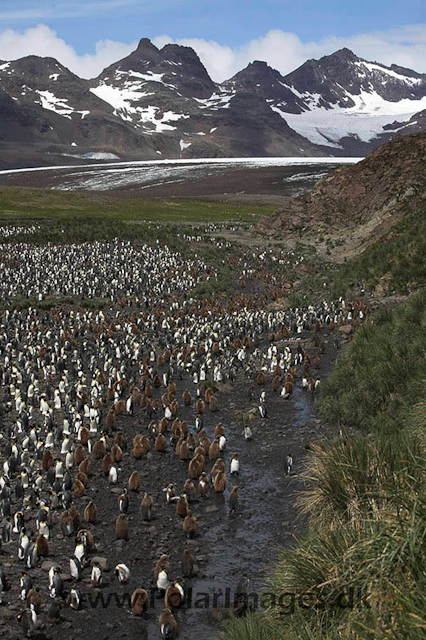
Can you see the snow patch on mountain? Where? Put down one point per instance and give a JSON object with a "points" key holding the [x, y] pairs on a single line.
{"points": [[389, 72], [216, 101], [125, 100], [148, 77], [365, 120], [59, 105], [119, 98], [49, 101]]}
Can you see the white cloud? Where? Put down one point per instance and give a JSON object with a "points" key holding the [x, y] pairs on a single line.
{"points": [[42, 41], [405, 46]]}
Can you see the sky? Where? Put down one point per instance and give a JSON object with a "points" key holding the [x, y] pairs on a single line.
{"points": [[87, 36]]}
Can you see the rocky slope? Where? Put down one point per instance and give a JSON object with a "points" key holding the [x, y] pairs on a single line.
{"points": [[361, 203], [161, 103]]}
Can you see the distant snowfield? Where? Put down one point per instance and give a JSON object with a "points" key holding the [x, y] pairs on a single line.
{"points": [[145, 173], [365, 120], [255, 162]]}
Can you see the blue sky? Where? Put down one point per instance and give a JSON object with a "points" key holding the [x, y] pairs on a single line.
{"points": [[227, 32], [228, 22]]}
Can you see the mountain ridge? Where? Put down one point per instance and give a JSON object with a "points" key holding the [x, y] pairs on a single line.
{"points": [[161, 103]]}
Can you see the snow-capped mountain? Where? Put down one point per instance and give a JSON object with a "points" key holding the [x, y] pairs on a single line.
{"points": [[161, 103], [350, 101], [169, 91]]}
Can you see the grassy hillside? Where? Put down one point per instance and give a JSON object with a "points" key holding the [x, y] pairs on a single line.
{"points": [[360, 571], [21, 203], [395, 263]]}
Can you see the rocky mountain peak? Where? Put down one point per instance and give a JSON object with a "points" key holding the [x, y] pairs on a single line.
{"points": [[162, 102], [343, 55], [146, 44]]}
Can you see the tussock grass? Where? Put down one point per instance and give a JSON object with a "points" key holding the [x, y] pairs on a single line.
{"points": [[398, 258], [360, 570], [383, 372]]}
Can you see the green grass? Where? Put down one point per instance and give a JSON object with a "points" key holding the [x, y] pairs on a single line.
{"points": [[399, 258], [28, 204], [365, 497], [383, 372]]}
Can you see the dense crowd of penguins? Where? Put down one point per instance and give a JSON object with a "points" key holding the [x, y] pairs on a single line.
{"points": [[73, 381], [96, 270]]}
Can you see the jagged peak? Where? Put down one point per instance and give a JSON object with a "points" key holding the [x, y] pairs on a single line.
{"points": [[256, 67], [344, 52], [179, 50], [146, 44]]}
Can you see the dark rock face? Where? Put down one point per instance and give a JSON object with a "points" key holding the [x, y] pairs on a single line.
{"points": [[161, 103], [343, 73], [261, 80]]}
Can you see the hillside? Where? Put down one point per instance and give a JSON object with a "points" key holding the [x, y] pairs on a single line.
{"points": [[355, 206]]}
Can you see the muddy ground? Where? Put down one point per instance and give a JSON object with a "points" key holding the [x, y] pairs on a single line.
{"points": [[226, 545]]}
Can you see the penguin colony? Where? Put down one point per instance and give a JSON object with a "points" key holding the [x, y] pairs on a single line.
{"points": [[96, 270], [97, 401]]}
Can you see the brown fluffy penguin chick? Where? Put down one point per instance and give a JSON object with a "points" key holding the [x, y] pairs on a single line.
{"points": [[174, 595], [219, 430], [220, 482], [186, 397], [160, 443], [190, 525], [163, 564], [98, 450], [82, 477], [182, 506], [203, 485], [200, 406], [122, 527], [107, 463], [214, 450], [138, 450], [213, 404], [218, 466], [183, 452], [47, 460], [187, 563], [117, 453], [67, 525], [168, 624], [84, 466], [109, 420], [146, 507], [190, 490], [78, 489], [42, 546], [196, 466], [120, 440], [190, 441], [90, 513], [233, 500], [139, 602], [34, 599], [134, 481]]}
